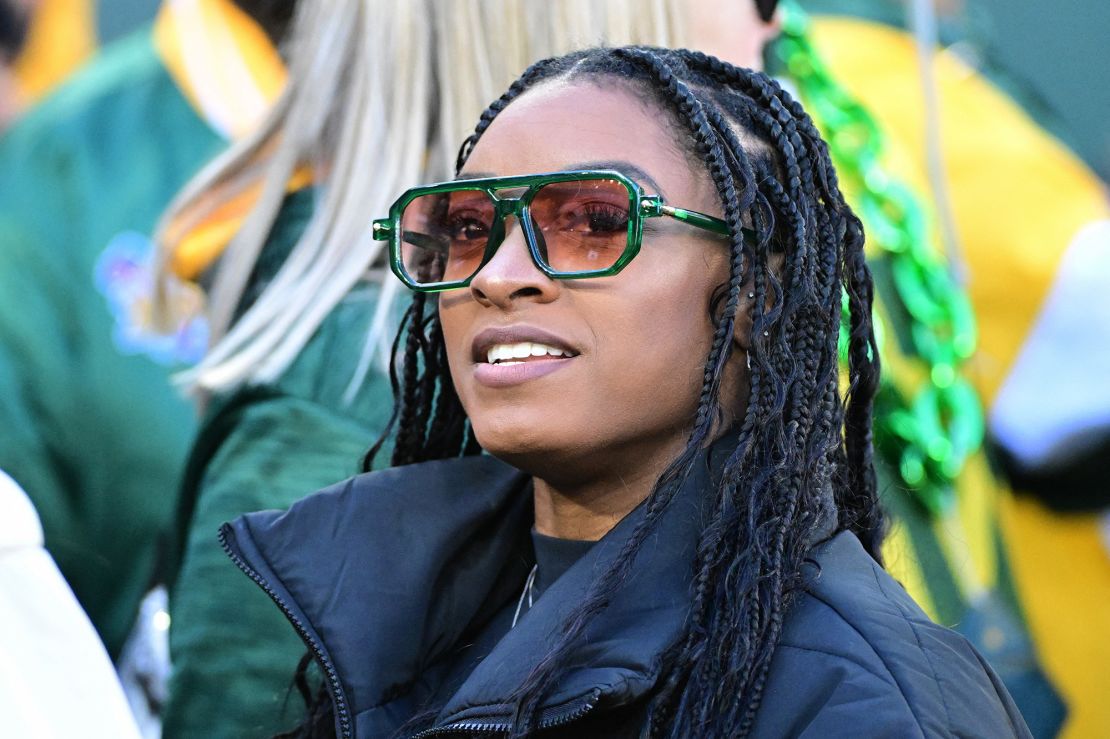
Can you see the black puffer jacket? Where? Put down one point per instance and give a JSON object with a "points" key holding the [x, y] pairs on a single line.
{"points": [[386, 574]]}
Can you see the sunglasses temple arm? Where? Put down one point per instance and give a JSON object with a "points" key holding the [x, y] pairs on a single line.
{"points": [[709, 223]]}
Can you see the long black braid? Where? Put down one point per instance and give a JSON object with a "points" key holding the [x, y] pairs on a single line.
{"points": [[802, 467]]}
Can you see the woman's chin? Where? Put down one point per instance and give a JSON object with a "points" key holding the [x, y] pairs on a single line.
{"points": [[528, 445], [512, 447]]}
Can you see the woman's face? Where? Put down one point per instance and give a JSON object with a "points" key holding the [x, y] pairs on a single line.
{"points": [[633, 345]]}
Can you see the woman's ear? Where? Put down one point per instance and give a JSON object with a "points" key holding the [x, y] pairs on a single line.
{"points": [[742, 327]]}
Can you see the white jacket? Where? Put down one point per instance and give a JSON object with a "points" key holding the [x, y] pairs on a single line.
{"points": [[56, 679]]}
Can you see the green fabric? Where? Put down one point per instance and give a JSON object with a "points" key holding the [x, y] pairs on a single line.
{"points": [[234, 653], [96, 437]]}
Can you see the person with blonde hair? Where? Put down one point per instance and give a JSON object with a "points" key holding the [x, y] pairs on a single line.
{"points": [[90, 426]]}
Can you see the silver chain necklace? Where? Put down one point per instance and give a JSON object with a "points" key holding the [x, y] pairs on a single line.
{"points": [[529, 585]]}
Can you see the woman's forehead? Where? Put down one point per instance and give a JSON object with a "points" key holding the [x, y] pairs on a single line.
{"points": [[559, 125]]}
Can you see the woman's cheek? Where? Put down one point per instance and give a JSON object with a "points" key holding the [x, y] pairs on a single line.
{"points": [[669, 359]]}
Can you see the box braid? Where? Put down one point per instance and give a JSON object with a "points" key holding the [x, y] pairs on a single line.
{"points": [[802, 467], [863, 367]]}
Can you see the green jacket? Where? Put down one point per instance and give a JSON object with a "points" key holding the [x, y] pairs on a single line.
{"points": [[233, 653], [89, 424]]}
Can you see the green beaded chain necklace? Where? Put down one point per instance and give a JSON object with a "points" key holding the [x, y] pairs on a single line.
{"points": [[928, 436]]}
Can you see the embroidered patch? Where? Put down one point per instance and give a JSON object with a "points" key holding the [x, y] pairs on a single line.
{"points": [[124, 275]]}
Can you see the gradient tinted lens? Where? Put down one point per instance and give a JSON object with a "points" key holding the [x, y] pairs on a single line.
{"points": [[444, 235], [582, 224]]}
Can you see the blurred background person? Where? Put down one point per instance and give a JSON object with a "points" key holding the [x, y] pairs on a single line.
{"points": [[89, 423]]}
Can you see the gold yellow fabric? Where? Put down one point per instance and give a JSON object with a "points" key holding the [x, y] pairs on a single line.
{"points": [[203, 243], [901, 561], [222, 60], [1063, 572], [1015, 191], [61, 37], [1018, 198], [231, 73]]}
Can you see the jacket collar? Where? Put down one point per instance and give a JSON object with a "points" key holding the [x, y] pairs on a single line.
{"points": [[231, 74], [222, 61], [383, 574]]}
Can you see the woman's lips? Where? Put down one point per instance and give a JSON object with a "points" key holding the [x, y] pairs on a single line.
{"points": [[507, 374], [512, 337], [504, 356]]}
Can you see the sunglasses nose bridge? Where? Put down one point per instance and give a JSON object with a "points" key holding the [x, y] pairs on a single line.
{"points": [[514, 209], [505, 230], [509, 207]]}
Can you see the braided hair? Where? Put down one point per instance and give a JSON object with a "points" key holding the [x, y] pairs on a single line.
{"points": [[802, 465]]}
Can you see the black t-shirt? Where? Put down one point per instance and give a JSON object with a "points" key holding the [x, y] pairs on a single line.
{"points": [[553, 558]]}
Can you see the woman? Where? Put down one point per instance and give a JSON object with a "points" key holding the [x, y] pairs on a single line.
{"points": [[639, 276], [291, 404]]}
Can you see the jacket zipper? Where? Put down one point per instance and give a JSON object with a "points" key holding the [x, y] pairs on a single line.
{"points": [[342, 714], [504, 727]]}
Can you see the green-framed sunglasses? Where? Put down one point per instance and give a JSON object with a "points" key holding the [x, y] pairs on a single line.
{"points": [[579, 224]]}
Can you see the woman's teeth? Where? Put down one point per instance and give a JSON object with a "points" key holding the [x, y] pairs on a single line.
{"points": [[506, 353]]}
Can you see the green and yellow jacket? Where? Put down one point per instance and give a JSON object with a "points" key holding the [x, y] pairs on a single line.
{"points": [[89, 423]]}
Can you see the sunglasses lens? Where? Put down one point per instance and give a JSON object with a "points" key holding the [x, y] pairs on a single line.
{"points": [[582, 224], [580, 227], [444, 235]]}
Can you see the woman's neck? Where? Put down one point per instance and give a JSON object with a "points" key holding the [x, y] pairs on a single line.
{"points": [[587, 508]]}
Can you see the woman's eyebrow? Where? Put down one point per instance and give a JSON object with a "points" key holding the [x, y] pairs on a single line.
{"points": [[626, 168]]}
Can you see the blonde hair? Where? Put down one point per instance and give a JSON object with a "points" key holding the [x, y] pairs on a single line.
{"points": [[380, 93]]}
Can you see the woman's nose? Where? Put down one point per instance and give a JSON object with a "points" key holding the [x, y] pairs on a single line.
{"points": [[512, 275]]}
